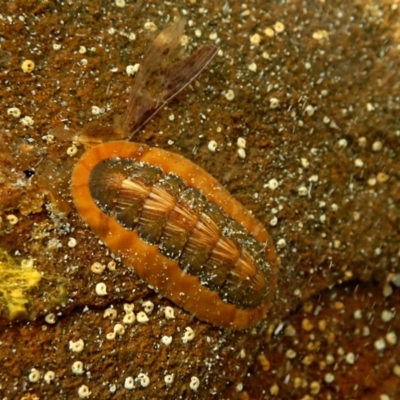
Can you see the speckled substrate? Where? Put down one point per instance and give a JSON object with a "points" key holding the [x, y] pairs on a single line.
{"points": [[313, 89]]}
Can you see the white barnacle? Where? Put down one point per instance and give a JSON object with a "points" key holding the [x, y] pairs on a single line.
{"points": [[391, 338], [252, 67], [119, 329], [320, 34], [129, 318], [129, 383], [27, 121], [148, 307], [84, 392], [380, 344], [120, 3], [132, 69], [34, 375], [77, 368], [27, 66], [358, 163], [241, 142], [111, 265], [49, 376], [12, 219], [230, 95], [272, 184], [97, 268], [279, 27], [143, 379], [309, 110], [387, 315], [72, 242], [241, 153], [96, 110], [281, 244], [194, 383], [212, 145], [101, 289], [269, 32], [169, 312], [350, 358], [150, 26], [142, 317], [329, 378], [129, 307], [273, 221], [213, 36], [110, 313], [110, 336], [72, 150], [14, 112], [302, 191], [112, 388], [255, 39], [50, 318], [305, 163], [189, 335], [167, 340], [377, 146], [169, 379], [273, 102], [77, 346]]}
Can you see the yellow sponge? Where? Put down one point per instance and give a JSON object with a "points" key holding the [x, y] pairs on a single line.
{"points": [[16, 280]]}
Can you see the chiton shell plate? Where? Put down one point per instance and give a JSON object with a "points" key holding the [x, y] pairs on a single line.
{"points": [[179, 229]]}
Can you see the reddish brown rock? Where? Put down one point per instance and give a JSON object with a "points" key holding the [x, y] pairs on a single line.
{"points": [[317, 102]]}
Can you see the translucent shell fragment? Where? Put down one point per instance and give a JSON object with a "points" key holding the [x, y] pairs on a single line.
{"points": [[179, 229]]}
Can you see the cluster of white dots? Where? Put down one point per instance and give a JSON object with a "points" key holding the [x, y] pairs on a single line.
{"points": [[143, 379], [119, 329], [256, 38], [142, 317], [241, 144], [35, 375]]}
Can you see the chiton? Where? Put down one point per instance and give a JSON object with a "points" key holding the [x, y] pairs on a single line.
{"points": [[179, 229]]}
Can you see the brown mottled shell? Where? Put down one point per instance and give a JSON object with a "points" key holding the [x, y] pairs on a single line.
{"points": [[180, 230]]}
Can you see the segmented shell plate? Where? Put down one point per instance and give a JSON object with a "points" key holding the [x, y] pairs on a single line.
{"points": [[179, 229]]}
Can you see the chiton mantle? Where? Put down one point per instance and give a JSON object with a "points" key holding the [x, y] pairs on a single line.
{"points": [[179, 229]]}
